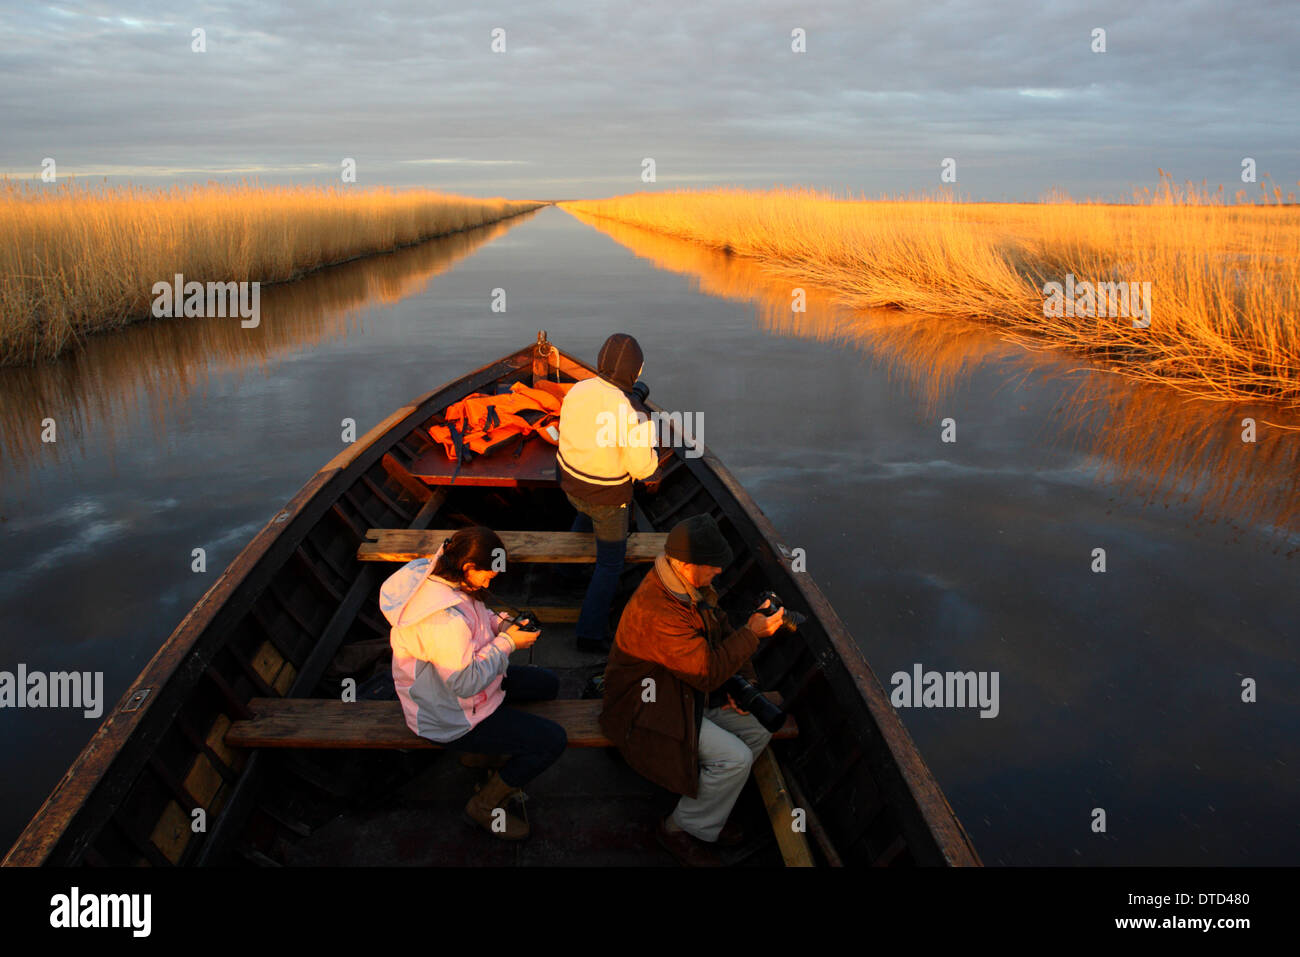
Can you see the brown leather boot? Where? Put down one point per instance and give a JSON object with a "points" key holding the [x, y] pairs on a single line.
{"points": [[689, 851], [487, 809]]}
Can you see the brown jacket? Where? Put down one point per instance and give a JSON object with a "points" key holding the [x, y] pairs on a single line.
{"points": [[679, 638]]}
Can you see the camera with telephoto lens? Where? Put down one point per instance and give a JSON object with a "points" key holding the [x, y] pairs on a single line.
{"points": [[641, 390], [792, 618], [748, 698]]}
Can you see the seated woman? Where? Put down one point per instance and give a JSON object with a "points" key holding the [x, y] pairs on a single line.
{"points": [[451, 667]]}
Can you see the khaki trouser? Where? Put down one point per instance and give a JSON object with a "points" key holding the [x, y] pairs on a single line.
{"points": [[729, 743]]}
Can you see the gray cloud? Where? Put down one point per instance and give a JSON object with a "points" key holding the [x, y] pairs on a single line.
{"points": [[413, 92]]}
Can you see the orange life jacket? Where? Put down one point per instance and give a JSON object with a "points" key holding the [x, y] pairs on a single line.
{"points": [[482, 423]]}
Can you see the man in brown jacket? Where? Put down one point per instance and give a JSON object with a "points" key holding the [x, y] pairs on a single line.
{"points": [[673, 648]]}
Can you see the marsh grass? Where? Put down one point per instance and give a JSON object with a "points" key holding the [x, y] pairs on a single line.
{"points": [[76, 260], [1225, 279], [150, 370]]}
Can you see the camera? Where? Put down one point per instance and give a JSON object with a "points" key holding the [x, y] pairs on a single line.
{"points": [[526, 620], [748, 698], [641, 390], [792, 618]]}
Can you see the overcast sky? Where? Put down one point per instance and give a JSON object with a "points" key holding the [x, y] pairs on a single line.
{"points": [[713, 92]]}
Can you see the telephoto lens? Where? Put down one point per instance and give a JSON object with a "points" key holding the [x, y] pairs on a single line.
{"points": [[748, 698], [641, 390], [792, 620]]}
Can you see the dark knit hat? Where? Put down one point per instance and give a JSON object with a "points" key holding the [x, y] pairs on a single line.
{"points": [[620, 360], [698, 541]]}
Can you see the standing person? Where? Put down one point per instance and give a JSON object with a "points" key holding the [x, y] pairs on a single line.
{"points": [[604, 446], [674, 649], [451, 665]]}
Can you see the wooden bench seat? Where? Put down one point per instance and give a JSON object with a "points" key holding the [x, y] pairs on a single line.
{"points": [[327, 723], [402, 545]]}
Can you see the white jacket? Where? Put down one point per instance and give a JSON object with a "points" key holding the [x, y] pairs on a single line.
{"points": [[448, 658], [604, 444]]}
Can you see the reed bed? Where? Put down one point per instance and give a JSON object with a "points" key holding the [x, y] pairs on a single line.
{"points": [[151, 368], [1196, 452], [1224, 279], [76, 260]]}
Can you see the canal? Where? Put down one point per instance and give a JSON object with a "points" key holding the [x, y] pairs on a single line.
{"points": [[954, 494]]}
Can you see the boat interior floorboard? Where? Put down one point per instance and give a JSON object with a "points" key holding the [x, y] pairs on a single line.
{"points": [[589, 809]]}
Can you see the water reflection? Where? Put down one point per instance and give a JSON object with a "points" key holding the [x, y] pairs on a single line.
{"points": [[154, 364], [1147, 440]]}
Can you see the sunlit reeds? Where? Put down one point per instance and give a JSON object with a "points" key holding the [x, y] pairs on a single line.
{"points": [[75, 260], [154, 368], [1144, 438], [1225, 279]]}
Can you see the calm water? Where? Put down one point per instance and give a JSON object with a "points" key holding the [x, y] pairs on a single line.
{"points": [[1119, 691]]}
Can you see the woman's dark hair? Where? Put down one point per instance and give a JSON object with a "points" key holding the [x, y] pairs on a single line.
{"points": [[475, 546]]}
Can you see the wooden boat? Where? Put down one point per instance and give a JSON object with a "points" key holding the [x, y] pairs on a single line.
{"points": [[228, 747]]}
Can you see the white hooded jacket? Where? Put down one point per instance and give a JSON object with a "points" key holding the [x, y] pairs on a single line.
{"points": [[604, 444], [448, 657]]}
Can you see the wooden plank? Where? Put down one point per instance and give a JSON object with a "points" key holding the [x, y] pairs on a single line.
{"points": [[321, 723], [215, 747], [402, 545], [534, 465], [403, 513], [337, 510], [546, 614], [327, 723], [266, 662], [815, 827], [172, 832], [399, 474], [313, 570], [284, 680], [557, 614], [203, 781], [780, 811]]}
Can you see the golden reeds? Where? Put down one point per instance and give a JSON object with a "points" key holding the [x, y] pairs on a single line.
{"points": [[155, 367], [75, 260], [1224, 280], [1195, 454]]}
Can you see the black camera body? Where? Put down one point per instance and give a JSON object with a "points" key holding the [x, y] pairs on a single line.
{"points": [[793, 619], [527, 620]]}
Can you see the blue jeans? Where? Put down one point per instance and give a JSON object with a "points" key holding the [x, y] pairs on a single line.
{"points": [[609, 522], [533, 743]]}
